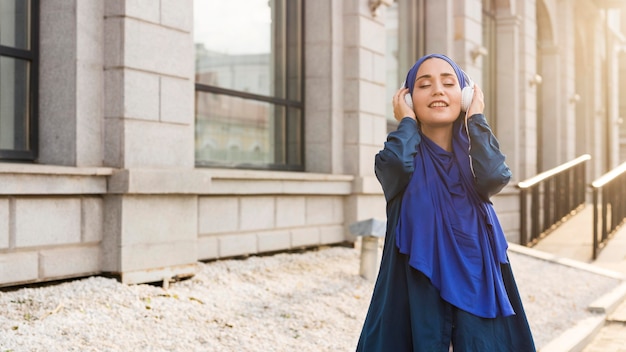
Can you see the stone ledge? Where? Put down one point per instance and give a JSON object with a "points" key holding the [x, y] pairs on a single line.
{"points": [[220, 182], [53, 170], [29, 179]]}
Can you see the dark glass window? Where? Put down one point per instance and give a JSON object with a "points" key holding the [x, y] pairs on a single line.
{"points": [[249, 84], [18, 79]]}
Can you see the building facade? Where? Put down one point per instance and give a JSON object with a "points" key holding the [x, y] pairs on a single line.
{"points": [[138, 137]]}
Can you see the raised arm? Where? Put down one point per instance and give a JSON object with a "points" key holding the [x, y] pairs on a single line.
{"points": [[394, 164], [490, 170]]}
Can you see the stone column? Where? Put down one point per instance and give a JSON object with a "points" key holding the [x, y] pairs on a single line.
{"points": [[364, 121], [324, 125], [549, 123], [508, 81], [71, 82], [150, 233], [439, 21], [567, 31]]}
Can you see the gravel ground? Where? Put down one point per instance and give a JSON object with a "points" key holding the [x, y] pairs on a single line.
{"points": [[308, 301]]}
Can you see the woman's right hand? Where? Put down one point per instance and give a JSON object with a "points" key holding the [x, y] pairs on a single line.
{"points": [[400, 108]]}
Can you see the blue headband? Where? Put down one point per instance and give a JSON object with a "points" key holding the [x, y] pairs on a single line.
{"points": [[412, 75]]}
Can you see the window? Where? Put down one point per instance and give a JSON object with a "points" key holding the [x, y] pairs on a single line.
{"points": [[249, 84], [18, 79]]}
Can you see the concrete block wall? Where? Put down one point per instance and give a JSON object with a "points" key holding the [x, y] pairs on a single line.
{"points": [[263, 212], [54, 234], [243, 225]]}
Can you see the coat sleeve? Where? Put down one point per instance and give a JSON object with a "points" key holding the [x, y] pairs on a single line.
{"points": [[394, 164], [491, 173]]}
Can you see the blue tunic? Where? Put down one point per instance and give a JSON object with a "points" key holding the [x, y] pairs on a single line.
{"points": [[407, 310], [445, 229]]}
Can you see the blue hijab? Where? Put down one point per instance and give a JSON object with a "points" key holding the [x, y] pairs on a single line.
{"points": [[446, 229]]}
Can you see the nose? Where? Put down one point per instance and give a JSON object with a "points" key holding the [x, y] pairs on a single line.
{"points": [[437, 88]]}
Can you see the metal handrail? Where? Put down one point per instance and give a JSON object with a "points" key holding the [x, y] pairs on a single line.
{"points": [[558, 193], [612, 189]]}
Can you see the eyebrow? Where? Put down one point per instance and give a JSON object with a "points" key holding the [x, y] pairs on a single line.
{"points": [[445, 74]]}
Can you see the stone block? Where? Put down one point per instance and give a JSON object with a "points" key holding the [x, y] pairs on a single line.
{"points": [[366, 159], [173, 181], [369, 227], [89, 112], [114, 92], [113, 44], [380, 71], [257, 213], [18, 267], [159, 275], [67, 262], [177, 100], [332, 234], [218, 215], [305, 237], [317, 18], [113, 142], [322, 210], [274, 241], [290, 211], [141, 95], [351, 161], [158, 255], [36, 183], [318, 156], [92, 219], [47, 221], [208, 247], [177, 14], [158, 145], [170, 55], [373, 98], [4, 223], [351, 134], [114, 8], [111, 233], [146, 10], [366, 128], [156, 220], [318, 92], [319, 55], [237, 245], [351, 31]]}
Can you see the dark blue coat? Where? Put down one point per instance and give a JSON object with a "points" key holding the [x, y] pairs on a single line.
{"points": [[406, 312]]}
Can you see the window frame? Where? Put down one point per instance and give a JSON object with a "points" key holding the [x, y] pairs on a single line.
{"points": [[279, 102], [32, 56]]}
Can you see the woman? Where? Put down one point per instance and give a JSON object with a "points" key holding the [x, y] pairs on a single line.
{"points": [[444, 281]]}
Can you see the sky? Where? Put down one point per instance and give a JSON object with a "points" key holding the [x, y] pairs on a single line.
{"points": [[218, 22]]}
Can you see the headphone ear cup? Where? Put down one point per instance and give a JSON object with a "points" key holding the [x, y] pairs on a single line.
{"points": [[467, 94], [409, 101]]}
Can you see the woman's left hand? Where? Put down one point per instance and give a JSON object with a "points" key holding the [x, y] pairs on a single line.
{"points": [[478, 102]]}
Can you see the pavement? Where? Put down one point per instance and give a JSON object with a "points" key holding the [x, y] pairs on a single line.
{"points": [[571, 244]]}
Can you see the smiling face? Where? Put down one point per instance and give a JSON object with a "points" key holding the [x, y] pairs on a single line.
{"points": [[436, 94]]}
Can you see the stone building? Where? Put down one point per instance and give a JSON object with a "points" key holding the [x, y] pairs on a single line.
{"points": [[138, 137]]}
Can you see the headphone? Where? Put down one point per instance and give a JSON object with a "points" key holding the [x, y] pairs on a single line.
{"points": [[467, 94]]}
